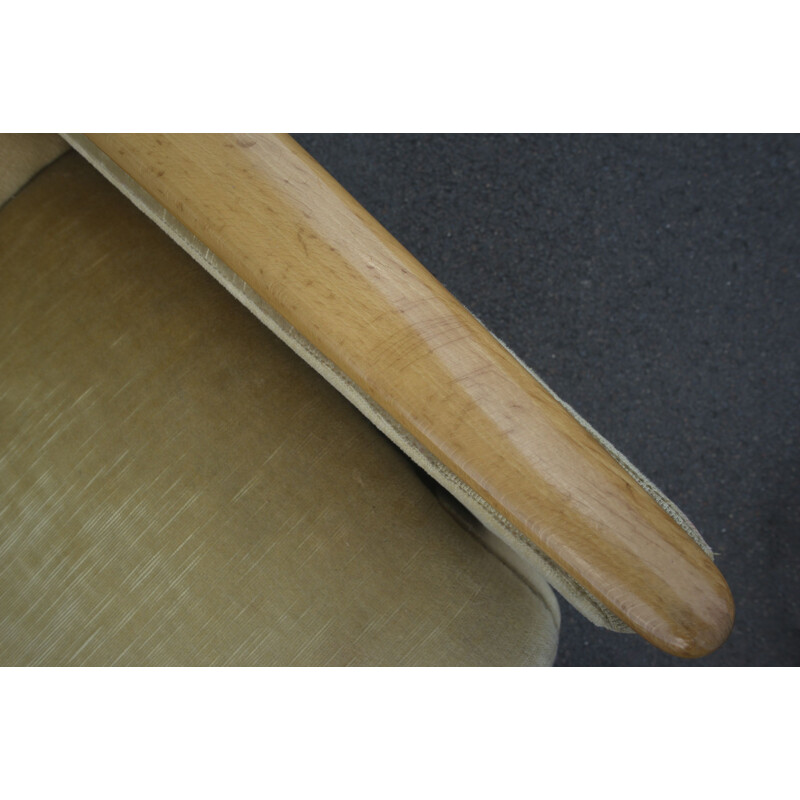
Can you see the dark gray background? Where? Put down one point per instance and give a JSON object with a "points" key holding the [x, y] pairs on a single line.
{"points": [[652, 281]]}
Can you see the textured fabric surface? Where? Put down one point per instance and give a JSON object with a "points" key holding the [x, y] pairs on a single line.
{"points": [[22, 155], [178, 488], [654, 283]]}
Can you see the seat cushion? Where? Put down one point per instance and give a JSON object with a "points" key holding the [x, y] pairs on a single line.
{"points": [[178, 488]]}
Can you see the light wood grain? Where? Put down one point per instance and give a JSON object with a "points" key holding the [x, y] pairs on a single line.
{"points": [[275, 217]]}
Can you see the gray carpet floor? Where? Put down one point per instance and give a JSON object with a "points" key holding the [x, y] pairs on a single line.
{"points": [[654, 283]]}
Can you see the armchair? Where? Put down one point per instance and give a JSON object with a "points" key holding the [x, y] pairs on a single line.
{"points": [[181, 488]]}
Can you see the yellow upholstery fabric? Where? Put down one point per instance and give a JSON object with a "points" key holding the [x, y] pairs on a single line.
{"points": [[178, 488]]}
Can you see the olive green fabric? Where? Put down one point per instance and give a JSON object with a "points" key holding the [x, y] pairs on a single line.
{"points": [[178, 488], [22, 155]]}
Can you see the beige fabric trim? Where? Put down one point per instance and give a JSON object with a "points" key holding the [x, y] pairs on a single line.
{"points": [[513, 546], [22, 155]]}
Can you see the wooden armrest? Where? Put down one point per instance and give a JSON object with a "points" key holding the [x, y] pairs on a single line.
{"points": [[264, 207]]}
